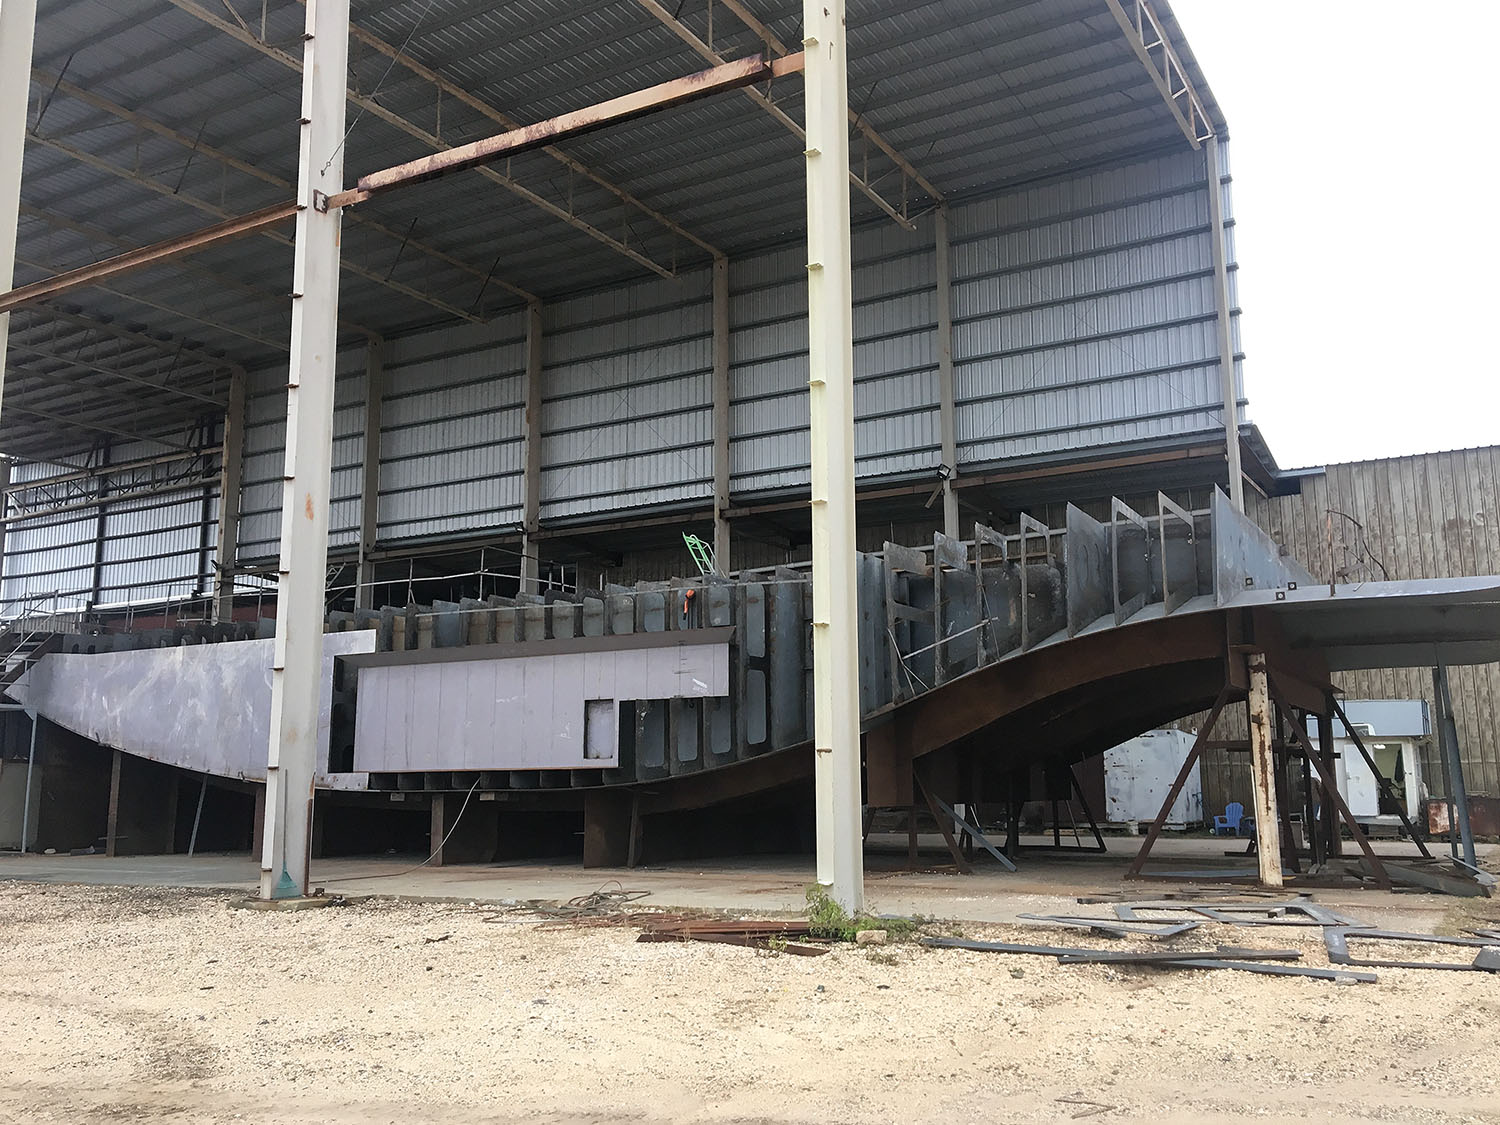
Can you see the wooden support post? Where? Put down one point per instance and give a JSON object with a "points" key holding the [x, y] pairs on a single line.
{"points": [[1263, 772], [1194, 753], [436, 831], [112, 824]]}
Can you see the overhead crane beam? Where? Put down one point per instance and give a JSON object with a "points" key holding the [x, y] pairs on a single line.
{"points": [[615, 111]]}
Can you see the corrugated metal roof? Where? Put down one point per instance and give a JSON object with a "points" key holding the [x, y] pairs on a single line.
{"points": [[979, 94]]}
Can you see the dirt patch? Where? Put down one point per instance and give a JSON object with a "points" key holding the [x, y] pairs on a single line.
{"points": [[159, 1005]]}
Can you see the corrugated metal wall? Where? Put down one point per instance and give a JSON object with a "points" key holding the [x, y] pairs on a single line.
{"points": [[627, 397], [1083, 317], [265, 458], [450, 431], [144, 550]]}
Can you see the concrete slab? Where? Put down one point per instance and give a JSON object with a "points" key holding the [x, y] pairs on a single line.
{"points": [[1047, 883]]}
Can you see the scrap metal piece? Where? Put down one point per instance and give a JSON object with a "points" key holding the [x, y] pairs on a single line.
{"points": [[1187, 961], [1170, 957], [1296, 912], [1109, 927], [1438, 876], [1337, 940]]}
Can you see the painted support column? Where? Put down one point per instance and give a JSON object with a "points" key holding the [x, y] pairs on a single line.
{"points": [[948, 410], [531, 507], [721, 414], [1263, 773], [830, 320], [296, 667], [369, 480], [1225, 322], [231, 467], [1459, 790], [17, 31]]}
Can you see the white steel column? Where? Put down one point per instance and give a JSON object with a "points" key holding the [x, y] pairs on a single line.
{"points": [[369, 478], [830, 321], [296, 676], [231, 465], [948, 411], [721, 413], [531, 459], [1226, 322], [17, 30]]}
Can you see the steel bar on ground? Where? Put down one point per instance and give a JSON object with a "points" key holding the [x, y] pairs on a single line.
{"points": [[1225, 324], [231, 466], [831, 409], [1263, 772], [131, 260], [1449, 734], [17, 33], [297, 662], [616, 111]]}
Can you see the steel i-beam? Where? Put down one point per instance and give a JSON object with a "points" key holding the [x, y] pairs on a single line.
{"points": [[17, 31], [830, 319], [296, 669]]}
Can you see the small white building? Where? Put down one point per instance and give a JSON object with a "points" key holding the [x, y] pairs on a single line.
{"points": [[1138, 774], [1393, 731]]}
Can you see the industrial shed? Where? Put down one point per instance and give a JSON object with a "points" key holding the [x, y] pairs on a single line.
{"points": [[930, 267]]}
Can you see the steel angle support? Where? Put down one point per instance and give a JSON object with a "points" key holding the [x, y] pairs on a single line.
{"points": [[979, 837], [1147, 37], [1130, 556], [295, 671], [1179, 567], [723, 400], [947, 402], [949, 554], [531, 456], [994, 592], [1030, 527], [840, 836]]}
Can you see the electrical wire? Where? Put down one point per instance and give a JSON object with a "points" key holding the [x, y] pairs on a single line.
{"points": [[416, 867]]}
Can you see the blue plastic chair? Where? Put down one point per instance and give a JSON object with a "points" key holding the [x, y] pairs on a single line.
{"points": [[1229, 823]]}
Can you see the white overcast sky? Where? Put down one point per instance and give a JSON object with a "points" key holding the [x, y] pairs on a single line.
{"points": [[1366, 162]]}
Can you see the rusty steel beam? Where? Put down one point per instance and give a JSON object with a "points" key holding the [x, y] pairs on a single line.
{"points": [[202, 151], [479, 105], [616, 111], [131, 260], [395, 120]]}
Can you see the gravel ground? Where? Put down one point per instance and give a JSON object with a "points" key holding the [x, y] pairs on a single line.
{"points": [[164, 1005]]}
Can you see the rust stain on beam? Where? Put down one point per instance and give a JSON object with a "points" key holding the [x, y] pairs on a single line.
{"points": [[628, 107], [131, 260]]}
